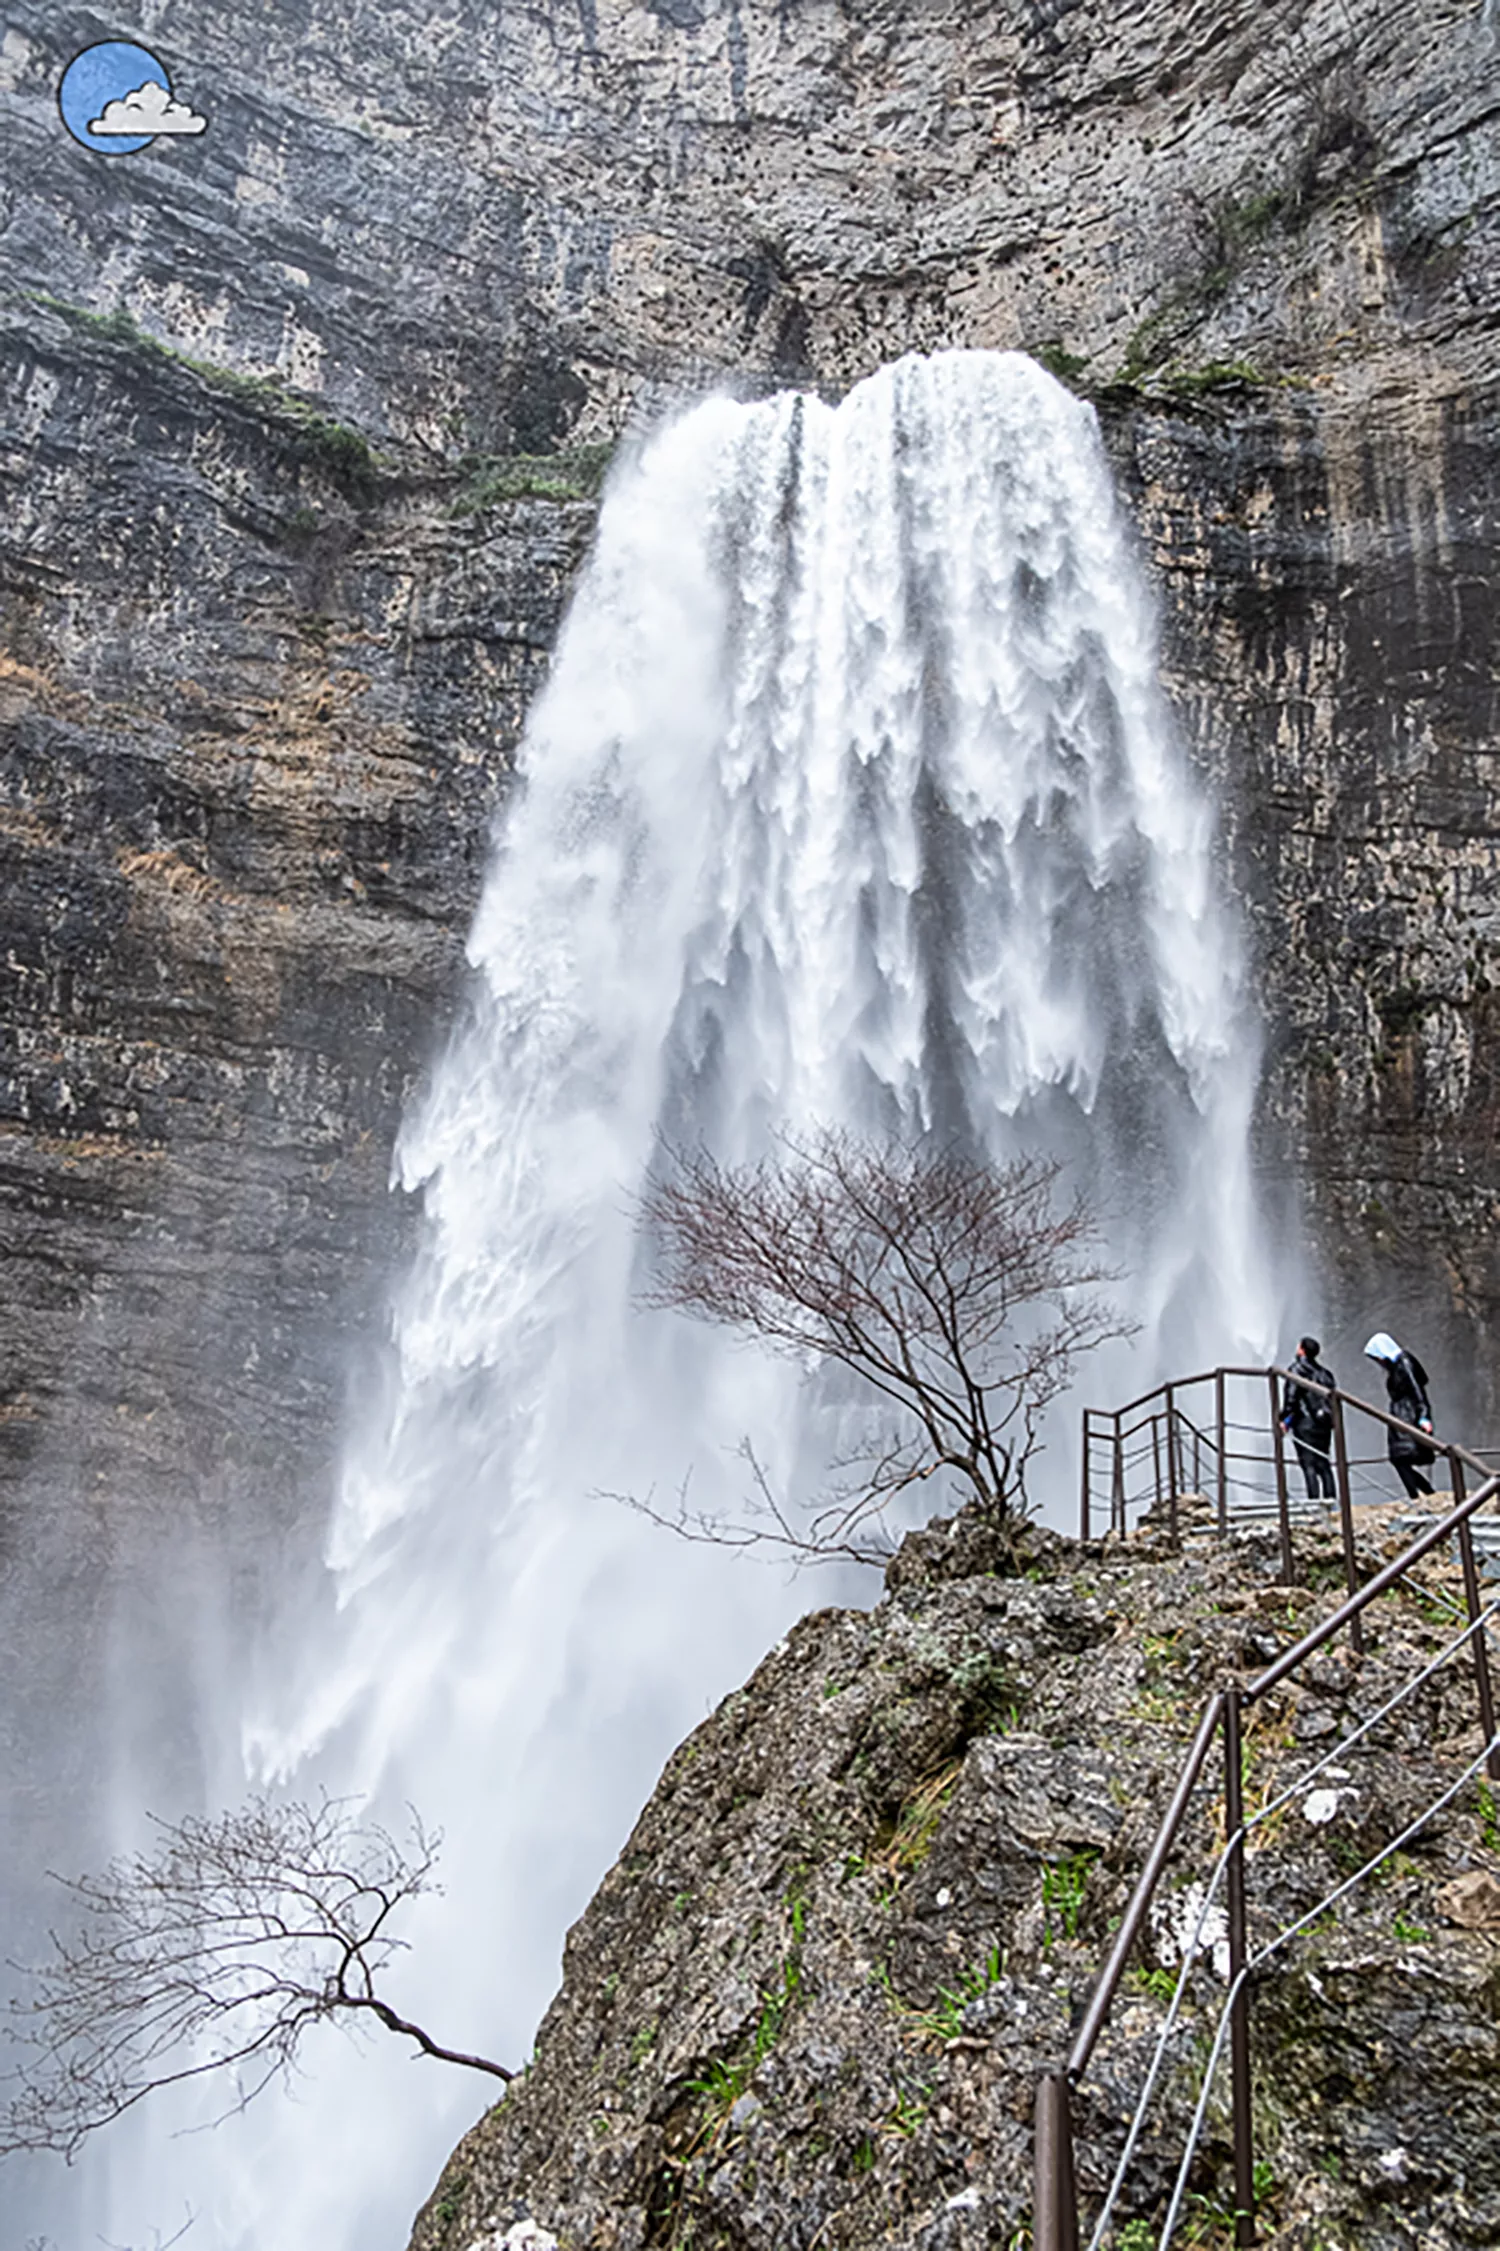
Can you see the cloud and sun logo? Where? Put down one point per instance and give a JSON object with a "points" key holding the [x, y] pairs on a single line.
{"points": [[117, 98]]}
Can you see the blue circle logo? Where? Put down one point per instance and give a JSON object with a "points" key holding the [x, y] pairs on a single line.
{"points": [[116, 98]]}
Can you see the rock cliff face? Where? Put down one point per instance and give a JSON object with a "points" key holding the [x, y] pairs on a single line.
{"points": [[258, 699], [264, 658], [809, 2004]]}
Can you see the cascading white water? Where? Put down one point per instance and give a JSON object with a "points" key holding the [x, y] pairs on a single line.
{"points": [[851, 800]]}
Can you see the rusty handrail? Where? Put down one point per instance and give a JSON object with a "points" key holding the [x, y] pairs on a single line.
{"points": [[1105, 1988], [1102, 1996], [1055, 2212], [1114, 1428]]}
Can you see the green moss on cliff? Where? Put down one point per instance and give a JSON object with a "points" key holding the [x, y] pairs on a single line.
{"points": [[576, 474], [338, 446]]}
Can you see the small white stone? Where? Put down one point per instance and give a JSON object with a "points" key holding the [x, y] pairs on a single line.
{"points": [[1393, 2164], [1175, 1919], [523, 2235], [1320, 1806], [945, 1897], [967, 2200]]}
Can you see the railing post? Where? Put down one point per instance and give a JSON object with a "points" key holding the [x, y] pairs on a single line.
{"points": [[1346, 1520], [1239, 2016], [1156, 1457], [1473, 1605], [1054, 2220], [1171, 1463], [1223, 1457], [1118, 1493], [1278, 1455], [1083, 1497], [1197, 1459]]}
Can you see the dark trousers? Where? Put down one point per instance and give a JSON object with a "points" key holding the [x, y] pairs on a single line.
{"points": [[1316, 1468], [1412, 1478]]}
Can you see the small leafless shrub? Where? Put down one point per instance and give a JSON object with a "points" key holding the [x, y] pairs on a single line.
{"points": [[957, 1291]]}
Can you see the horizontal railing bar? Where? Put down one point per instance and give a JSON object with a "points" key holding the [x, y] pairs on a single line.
{"points": [[1349, 1398], [1380, 1415], [1179, 1383], [1140, 1899], [1113, 1429]]}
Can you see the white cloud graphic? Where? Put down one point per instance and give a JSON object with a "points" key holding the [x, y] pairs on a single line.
{"points": [[150, 109]]}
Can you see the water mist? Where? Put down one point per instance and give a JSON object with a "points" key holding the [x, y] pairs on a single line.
{"points": [[850, 801]]}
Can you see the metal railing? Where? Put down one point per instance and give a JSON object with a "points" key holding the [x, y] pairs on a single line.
{"points": [[1229, 1449], [1170, 1434]]}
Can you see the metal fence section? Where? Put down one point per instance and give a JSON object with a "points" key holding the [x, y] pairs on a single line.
{"points": [[1195, 1941], [1214, 1442], [1235, 2011], [1193, 1444]]}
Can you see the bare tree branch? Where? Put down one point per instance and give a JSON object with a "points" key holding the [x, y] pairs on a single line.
{"points": [[214, 1955], [827, 1538], [958, 1292]]}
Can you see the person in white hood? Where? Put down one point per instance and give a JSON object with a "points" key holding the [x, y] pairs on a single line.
{"points": [[1406, 1391]]}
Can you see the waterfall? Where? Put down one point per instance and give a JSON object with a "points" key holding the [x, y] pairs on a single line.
{"points": [[851, 800]]}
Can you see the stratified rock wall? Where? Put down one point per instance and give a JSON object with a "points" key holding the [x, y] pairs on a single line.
{"points": [[261, 686], [487, 225], [1329, 579], [258, 701]]}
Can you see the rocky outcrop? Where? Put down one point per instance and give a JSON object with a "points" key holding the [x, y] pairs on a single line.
{"points": [[810, 2002]]}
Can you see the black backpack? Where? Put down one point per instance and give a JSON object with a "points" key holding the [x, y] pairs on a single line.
{"points": [[1316, 1405]]}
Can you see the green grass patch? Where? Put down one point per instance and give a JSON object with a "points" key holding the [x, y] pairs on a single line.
{"points": [[1160, 1984], [724, 2079], [908, 2112], [1203, 382], [905, 1842], [1064, 1884], [945, 2020], [1055, 357], [494, 479]]}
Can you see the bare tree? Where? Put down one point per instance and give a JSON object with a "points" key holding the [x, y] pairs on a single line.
{"points": [[959, 1291], [214, 1955]]}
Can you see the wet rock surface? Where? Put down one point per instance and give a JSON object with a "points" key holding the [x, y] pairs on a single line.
{"points": [[864, 1907]]}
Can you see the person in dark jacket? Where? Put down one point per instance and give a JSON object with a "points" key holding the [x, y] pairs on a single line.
{"points": [[1308, 1415], [1406, 1392]]}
